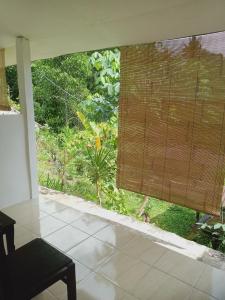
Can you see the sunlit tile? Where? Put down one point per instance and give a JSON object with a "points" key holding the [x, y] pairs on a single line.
{"points": [[90, 224], [81, 271], [131, 279], [128, 297], [42, 214], [91, 252], [212, 282], [95, 287], [116, 265], [116, 235], [136, 247], [58, 290], [153, 254], [198, 295], [66, 238], [44, 296], [67, 215], [156, 285], [51, 207], [180, 266]]}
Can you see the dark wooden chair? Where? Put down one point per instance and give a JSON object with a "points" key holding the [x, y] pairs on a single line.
{"points": [[33, 268]]}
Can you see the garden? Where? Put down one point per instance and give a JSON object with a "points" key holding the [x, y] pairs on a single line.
{"points": [[76, 111]]}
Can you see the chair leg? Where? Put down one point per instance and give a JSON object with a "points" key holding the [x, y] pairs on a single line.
{"points": [[71, 283], [2, 248], [10, 240]]}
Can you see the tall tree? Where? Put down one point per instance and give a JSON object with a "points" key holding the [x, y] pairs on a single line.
{"points": [[60, 84]]}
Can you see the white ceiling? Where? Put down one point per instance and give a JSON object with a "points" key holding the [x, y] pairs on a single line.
{"points": [[57, 27]]}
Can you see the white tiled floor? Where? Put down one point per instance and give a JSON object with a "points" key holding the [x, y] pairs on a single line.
{"points": [[112, 261]]}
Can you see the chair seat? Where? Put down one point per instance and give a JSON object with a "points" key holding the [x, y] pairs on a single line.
{"points": [[33, 266]]}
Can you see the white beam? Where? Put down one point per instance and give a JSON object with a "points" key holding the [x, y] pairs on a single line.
{"points": [[27, 109]]}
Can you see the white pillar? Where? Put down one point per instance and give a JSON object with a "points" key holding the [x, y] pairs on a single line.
{"points": [[27, 109]]}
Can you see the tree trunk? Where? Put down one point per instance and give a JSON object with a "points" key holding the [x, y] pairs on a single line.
{"points": [[63, 179], [197, 216], [98, 193], [141, 210]]}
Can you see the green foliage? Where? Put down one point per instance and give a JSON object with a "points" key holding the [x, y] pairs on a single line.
{"points": [[14, 105], [106, 70], [115, 199], [98, 167], [56, 153], [86, 82], [98, 153], [73, 153], [148, 207], [69, 83], [51, 183], [104, 86], [60, 84], [11, 78], [172, 217], [215, 234]]}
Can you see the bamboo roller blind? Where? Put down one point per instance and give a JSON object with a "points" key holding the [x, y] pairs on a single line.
{"points": [[172, 121], [4, 104]]}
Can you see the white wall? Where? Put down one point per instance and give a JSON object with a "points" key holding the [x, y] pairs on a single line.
{"points": [[14, 170]]}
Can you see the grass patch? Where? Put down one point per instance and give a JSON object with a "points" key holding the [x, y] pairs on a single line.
{"points": [[82, 188], [172, 217]]}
